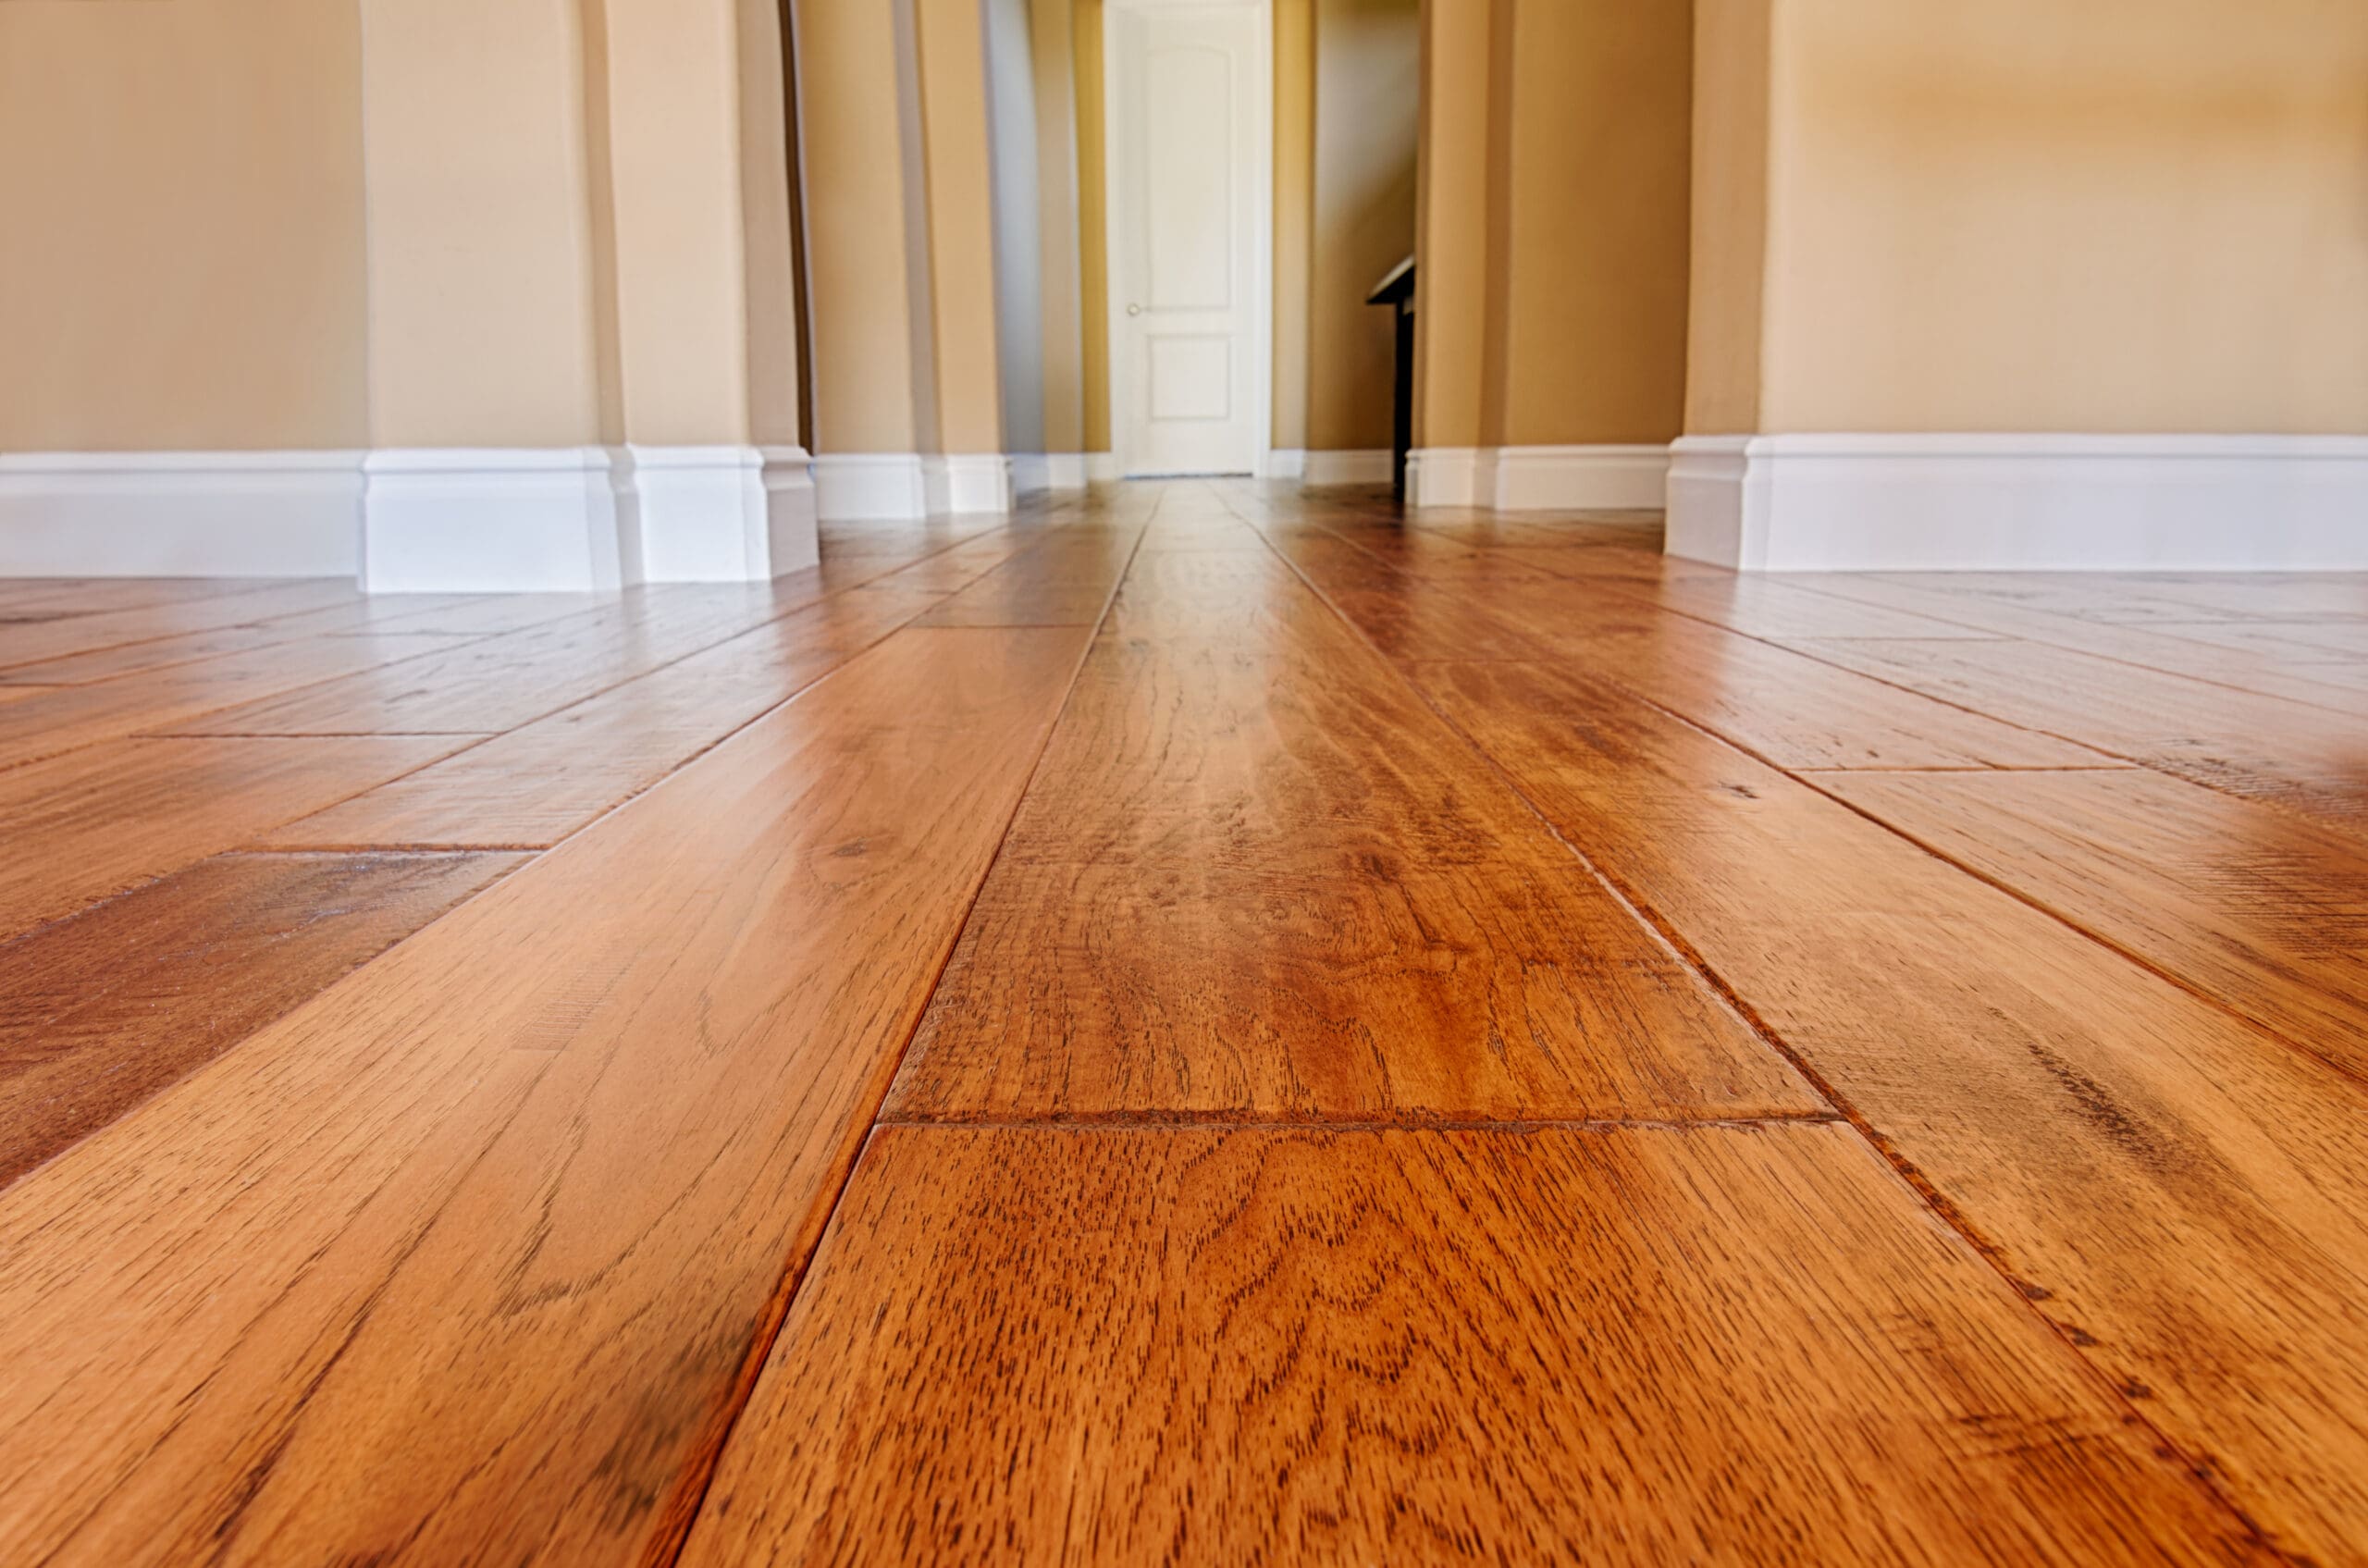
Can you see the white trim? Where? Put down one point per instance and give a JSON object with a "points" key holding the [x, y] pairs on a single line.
{"points": [[1103, 468], [956, 483], [496, 520], [870, 487], [1450, 476], [180, 514], [1285, 463], [1563, 478], [722, 514], [1262, 238], [1567, 478], [2029, 502], [1058, 471], [1369, 466]]}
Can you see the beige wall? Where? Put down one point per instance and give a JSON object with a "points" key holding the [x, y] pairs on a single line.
{"points": [[1368, 63], [233, 225], [1595, 277], [856, 248], [1553, 224], [1294, 214], [181, 261], [2120, 216], [960, 185]]}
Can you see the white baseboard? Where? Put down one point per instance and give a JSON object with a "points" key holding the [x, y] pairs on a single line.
{"points": [[1102, 468], [870, 487], [180, 514], [720, 515], [2021, 502], [1285, 463], [1570, 478], [956, 483], [1059, 471], [1357, 467], [495, 520]]}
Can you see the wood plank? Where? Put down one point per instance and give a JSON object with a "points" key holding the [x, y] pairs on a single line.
{"points": [[1786, 705], [1727, 1345], [182, 695], [470, 1258], [88, 595], [2329, 685], [536, 785], [485, 687], [2303, 758], [1061, 582], [137, 658], [2286, 641], [27, 642], [1459, 992], [97, 821], [99, 1012], [475, 615], [2185, 1197], [1259, 879], [2258, 909], [1757, 606]]}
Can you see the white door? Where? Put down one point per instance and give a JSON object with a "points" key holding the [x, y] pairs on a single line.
{"points": [[1190, 143]]}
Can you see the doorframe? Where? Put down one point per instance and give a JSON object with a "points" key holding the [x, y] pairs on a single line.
{"points": [[1114, 242]]}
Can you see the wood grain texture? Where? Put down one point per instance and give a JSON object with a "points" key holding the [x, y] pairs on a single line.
{"points": [[1729, 1345], [99, 1012], [2303, 758], [2262, 911], [105, 819], [1469, 992], [1064, 581], [543, 780], [183, 695], [468, 1259], [2185, 1197], [131, 659], [27, 642], [484, 688], [2158, 647], [1784, 705]]}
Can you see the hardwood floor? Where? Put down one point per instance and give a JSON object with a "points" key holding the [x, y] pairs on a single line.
{"points": [[1200, 1024]]}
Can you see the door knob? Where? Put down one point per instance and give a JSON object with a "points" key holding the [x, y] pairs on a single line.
{"points": [[1134, 310]]}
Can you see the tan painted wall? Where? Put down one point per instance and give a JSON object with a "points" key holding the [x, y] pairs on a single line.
{"points": [[961, 224], [181, 259], [483, 293], [1730, 204], [1368, 67], [1596, 279], [1294, 218], [1093, 223], [1454, 248], [2116, 215], [1061, 301], [1554, 222], [855, 226]]}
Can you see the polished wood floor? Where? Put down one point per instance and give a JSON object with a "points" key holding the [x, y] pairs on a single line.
{"points": [[1206, 1025]]}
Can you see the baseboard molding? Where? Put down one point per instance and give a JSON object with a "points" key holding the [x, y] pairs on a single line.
{"points": [[496, 520], [1565, 478], [959, 483], [1285, 463], [1057, 472], [869, 487], [180, 514], [1370, 466], [2021, 502], [720, 515], [1102, 468]]}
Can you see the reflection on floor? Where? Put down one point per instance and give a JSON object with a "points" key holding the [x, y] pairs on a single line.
{"points": [[1206, 1024]]}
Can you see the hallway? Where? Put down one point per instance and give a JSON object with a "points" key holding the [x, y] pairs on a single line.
{"points": [[1205, 1024]]}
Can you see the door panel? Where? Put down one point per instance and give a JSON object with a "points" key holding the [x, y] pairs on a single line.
{"points": [[1188, 138]]}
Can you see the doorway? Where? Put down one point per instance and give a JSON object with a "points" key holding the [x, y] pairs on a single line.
{"points": [[1191, 133]]}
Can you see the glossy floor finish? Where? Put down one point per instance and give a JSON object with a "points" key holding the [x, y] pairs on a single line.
{"points": [[1205, 1025]]}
